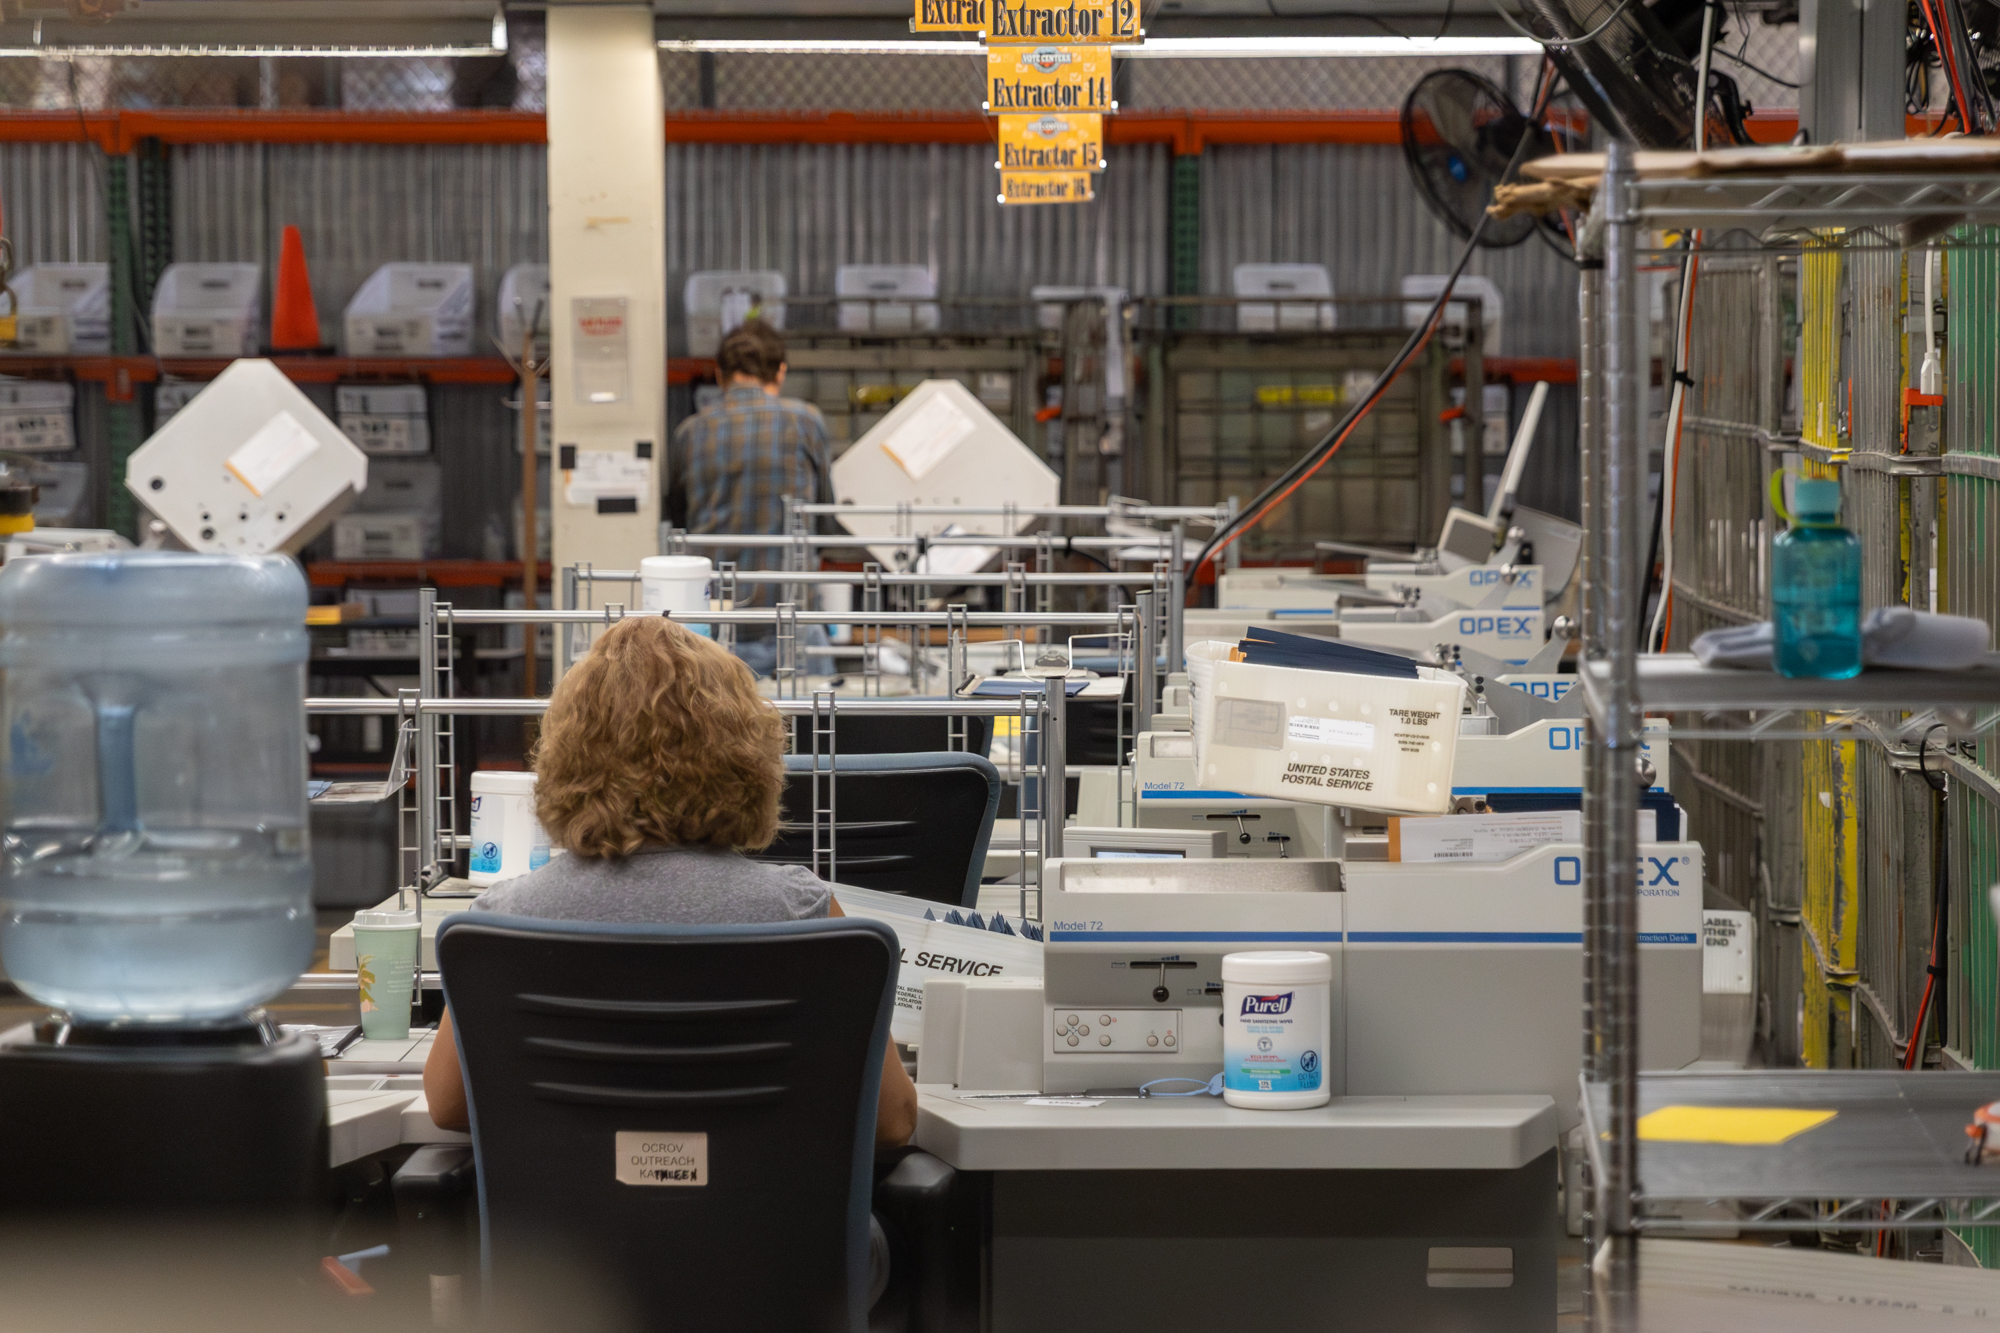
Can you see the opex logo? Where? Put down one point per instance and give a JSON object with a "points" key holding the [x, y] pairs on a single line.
{"points": [[1047, 58], [1267, 1004], [1049, 127], [1507, 627], [1655, 872]]}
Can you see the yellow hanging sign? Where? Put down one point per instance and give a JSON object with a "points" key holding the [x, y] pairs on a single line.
{"points": [[1051, 143], [1087, 21], [1045, 187], [949, 16], [1048, 78]]}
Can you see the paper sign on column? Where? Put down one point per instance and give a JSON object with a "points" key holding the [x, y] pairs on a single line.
{"points": [[1048, 78], [921, 442], [602, 474], [268, 457]]}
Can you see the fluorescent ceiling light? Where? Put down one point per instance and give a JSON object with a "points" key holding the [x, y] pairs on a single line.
{"points": [[251, 52], [1161, 48]]}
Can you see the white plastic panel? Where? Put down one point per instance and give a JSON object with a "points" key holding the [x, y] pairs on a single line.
{"points": [[940, 446], [229, 473]]}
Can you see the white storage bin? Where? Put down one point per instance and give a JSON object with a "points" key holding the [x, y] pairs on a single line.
{"points": [[885, 280], [412, 310], [1424, 288], [207, 310], [403, 486], [1289, 283], [65, 493], [63, 308], [383, 536], [524, 296], [1326, 737], [37, 416], [717, 300], [384, 418], [170, 396]]}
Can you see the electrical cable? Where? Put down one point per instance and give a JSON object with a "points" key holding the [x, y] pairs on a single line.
{"points": [[1561, 43], [1313, 459], [1670, 462], [1205, 1087]]}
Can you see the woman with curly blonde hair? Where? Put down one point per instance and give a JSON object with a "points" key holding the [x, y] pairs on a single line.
{"points": [[658, 767]]}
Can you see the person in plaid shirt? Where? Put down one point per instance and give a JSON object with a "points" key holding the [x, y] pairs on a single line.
{"points": [[732, 466]]}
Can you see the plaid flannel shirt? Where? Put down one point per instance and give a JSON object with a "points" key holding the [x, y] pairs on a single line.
{"points": [[731, 467]]}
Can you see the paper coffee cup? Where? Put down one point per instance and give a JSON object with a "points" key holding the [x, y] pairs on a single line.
{"points": [[385, 964]]}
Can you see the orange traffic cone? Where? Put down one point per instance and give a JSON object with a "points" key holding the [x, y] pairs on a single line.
{"points": [[294, 320]]}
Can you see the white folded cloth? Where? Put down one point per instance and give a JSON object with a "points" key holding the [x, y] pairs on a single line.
{"points": [[1891, 636]]}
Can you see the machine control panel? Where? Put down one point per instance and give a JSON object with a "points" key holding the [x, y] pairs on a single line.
{"points": [[1115, 1031]]}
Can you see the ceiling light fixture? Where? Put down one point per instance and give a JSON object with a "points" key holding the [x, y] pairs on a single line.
{"points": [[1153, 48], [252, 52]]}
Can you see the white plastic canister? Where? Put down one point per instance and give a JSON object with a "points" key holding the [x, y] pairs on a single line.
{"points": [[507, 839], [676, 583], [1277, 1009]]}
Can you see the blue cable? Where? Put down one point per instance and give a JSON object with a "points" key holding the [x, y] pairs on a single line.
{"points": [[1212, 1087]]}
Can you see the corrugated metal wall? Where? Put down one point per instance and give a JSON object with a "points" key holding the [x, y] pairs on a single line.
{"points": [[359, 206], [805, 210], [54, 203]]}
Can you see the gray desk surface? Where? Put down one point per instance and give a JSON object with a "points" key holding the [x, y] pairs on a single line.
{"points": [[1470, 1133], [375, 1099]]}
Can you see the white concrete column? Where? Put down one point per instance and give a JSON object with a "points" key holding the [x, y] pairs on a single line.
{"points": [[607, 188]]}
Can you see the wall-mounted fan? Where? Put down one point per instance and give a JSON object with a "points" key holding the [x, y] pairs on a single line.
{"points": [[1459, 134]]}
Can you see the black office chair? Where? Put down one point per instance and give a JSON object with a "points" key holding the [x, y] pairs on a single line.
{"points": [[684, 1113], [881, 733], [914, 824]]}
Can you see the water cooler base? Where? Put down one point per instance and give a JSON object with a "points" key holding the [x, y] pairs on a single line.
{"points": [[176, 1124]]}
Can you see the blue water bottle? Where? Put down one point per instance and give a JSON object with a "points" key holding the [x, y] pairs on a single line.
{"points": [[1816, 587]]}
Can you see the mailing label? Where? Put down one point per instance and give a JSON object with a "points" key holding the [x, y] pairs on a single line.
{"points": [[1048, 78], [1051, 143], [1045, 187], [268, 457], [1249, 724], [1090, 21], [923, 439], [651, 1157], [1331, 731]]}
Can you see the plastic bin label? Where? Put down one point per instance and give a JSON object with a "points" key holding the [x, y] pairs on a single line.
{"points": [[1331, 731], [1250, 724], [650, 1157]]}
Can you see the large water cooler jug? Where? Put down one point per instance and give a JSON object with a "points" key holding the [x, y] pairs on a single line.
{"points": [[156, 883]]}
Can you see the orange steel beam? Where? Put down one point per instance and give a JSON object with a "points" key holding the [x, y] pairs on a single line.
{"points": [[1187, 132]]}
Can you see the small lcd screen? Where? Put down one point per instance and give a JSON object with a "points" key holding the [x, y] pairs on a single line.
{"points": [[1114, 854]]}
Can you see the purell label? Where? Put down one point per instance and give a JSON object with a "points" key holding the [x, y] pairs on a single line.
{"points": [[1267, 1004]]}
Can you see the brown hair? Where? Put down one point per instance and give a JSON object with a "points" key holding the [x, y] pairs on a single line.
{"points": [[658, 736], [752, 348]]}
